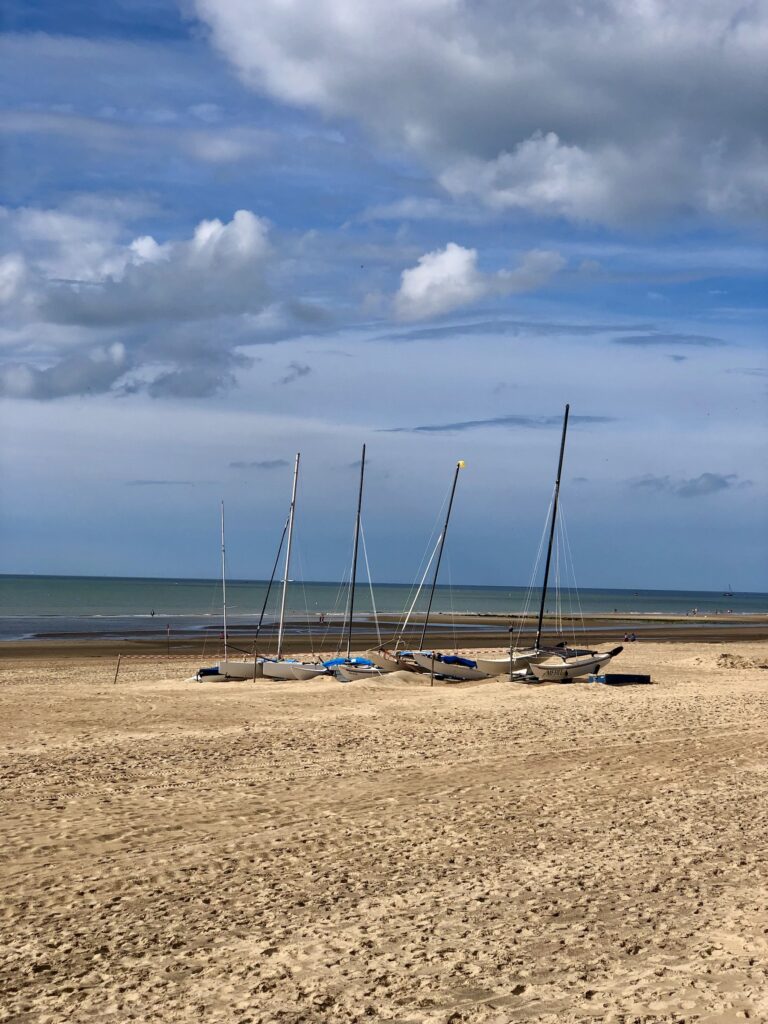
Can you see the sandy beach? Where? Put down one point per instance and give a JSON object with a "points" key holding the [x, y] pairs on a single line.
{"points": [[386, 851]]}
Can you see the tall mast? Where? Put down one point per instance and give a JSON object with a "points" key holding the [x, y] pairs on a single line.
{"points": [[354, 555], [269, 586], [288, 556], [552, 528], [459, 466], [224, 579]]}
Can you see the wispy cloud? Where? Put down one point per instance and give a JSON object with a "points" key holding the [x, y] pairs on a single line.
{"points": [[695, 487], [159, 483], [651, 340], [260, 464], [507, 327], [497, 421], [751, 371], [295, 371]]}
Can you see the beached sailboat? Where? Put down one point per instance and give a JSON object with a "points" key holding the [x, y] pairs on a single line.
{"points": [[350, 669], [449, 666], [228, 668], [563, 668], [280, 667], [559, 663], [394, 659]]}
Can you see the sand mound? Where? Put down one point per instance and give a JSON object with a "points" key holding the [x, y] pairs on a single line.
{"points": [[727, 660]]}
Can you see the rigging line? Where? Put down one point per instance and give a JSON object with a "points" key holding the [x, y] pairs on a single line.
{"points": [[224, 580], [343, 630], [403, 623], [573, 573], [399, 636], [334, 612], [570, 576], [370, 584], [529, 592], [306, 603], [450, 598], [269, 587], [562, 580]]}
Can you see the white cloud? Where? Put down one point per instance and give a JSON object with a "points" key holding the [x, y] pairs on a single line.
{"points": [[448, 278], [12, 273], [612, 111], [220, 270]]}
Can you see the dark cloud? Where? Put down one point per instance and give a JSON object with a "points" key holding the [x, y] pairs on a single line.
{"points": [[295, 371], [650, 340], [497, 421], [90, 372], [695, 487], [191, 382], [260, 464], [504, 327]]}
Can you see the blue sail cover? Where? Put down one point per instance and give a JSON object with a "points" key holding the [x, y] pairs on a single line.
{"points": [[453, 659], [346, 661]]}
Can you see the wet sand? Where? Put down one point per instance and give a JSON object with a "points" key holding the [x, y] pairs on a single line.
{"points": [[386, 851], [480, 631]]}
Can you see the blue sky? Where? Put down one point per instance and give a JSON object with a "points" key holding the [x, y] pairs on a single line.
{"points": [[229, 236]]}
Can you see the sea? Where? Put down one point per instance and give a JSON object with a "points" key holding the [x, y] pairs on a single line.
{"points": [[60, 607]]}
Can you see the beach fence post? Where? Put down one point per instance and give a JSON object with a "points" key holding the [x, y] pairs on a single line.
{"points": [[168, 637], [117, 669], [432, 673]]}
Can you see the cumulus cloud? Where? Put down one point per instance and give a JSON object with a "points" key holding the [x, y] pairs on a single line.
{"points": [[610, 111], [221, 269], [695, 487], [448, 278]]}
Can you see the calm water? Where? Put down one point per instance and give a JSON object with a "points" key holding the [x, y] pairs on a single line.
{"points": [[39, 605]]}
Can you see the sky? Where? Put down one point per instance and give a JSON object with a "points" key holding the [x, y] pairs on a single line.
{"points": [[233, 231]]}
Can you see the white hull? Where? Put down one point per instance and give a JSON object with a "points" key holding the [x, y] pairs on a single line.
{"points": [[240, 669], [450, 671], [501, 666], [293, 669], [352, 673], [386, 663], [560, 670]]}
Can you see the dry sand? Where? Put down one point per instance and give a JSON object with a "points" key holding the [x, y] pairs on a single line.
{"points": [[310, 852]]}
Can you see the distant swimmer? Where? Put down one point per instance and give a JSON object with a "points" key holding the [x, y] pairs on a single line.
{"points": [[152, 613]]}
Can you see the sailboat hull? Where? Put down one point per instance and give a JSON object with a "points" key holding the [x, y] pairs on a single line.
{"points": [[240, 669], [385, 663], [450, 670], [293, 670], [501, 666], [563, 670], [353, 673]]}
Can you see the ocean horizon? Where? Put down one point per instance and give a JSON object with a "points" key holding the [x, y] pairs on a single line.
{"points": [[36, 606]]}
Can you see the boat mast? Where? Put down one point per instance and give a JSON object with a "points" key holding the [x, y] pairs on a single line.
{"points": [[224, 579], [552, 528], [354, 556], [269, 587], [288, 556], [459, 466]]}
